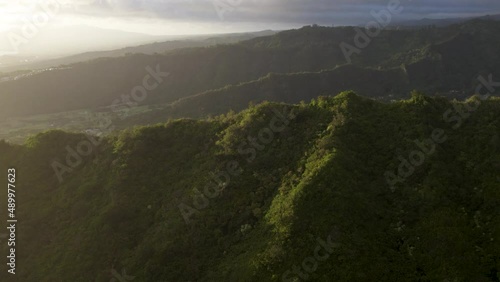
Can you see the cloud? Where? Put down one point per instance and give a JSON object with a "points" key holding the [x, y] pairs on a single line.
{"points": [[235, 15], [182, 17], [283, 11]]}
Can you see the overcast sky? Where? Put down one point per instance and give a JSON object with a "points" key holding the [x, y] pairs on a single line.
{"points": [[212, 16], [63, 19]]}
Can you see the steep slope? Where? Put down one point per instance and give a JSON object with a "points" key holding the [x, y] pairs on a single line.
{"points": [[287, 88], [276, 193]]}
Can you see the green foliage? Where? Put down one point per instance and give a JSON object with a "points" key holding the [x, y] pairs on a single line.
{"points": [[441, 59], [323, 175]]}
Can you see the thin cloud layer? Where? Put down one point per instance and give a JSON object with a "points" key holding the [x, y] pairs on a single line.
{"points": [[215, 16], [282, 11], [339, 12]]}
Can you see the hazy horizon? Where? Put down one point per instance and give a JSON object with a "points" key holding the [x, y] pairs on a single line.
{"points": [[44, 28]]}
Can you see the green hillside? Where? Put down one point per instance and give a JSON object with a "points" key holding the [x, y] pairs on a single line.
{"points": [[287, 88], [278, 192], [444, 60]]}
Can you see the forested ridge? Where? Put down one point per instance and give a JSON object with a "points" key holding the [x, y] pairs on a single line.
{"points": [[442, 60], [277, 192]]}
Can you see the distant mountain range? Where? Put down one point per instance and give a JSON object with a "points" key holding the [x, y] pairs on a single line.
{"points": [[290, 66], [16, 63], [433, 60], [57, 41], [443, 22]]}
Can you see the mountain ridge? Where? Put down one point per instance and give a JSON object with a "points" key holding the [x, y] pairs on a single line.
{"points": [[318, 176]]}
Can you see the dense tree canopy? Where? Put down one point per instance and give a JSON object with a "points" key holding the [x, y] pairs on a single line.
{"points": [[277, 192]]}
